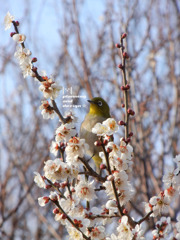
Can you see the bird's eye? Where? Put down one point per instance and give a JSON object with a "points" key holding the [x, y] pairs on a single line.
{"points": [[99, 103]]}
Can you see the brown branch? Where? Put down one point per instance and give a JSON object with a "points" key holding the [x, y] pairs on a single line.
{"points": [[130, 220], [103, 216], [113, 183], [144, 218], [70, 220], [91, 171], [56, 188], [125, 91], [41, 79]]}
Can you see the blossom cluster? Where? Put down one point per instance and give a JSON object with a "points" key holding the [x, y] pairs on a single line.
{"points": [[48, 86], [160, 204], [64, 173], [74, 184]]}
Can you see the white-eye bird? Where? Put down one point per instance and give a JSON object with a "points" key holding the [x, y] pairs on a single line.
{"points": [[98, 112]]}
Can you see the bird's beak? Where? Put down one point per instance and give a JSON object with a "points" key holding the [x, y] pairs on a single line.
{"points": [[90, 101]]}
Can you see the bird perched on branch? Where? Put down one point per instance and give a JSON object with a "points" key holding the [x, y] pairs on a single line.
{"points": [[98, 112]]}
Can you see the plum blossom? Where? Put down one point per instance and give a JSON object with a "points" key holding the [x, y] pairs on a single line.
{"points": [[56, 170], [115, 149], [54, 148], [59, 217], [120, 179], [77, 211], [71, 115], [19, 38], [138, 232], [26, 68], [76, 147], [65, 132], [22, 54], [163, 228], [170, 178], [85, 190], [74, 234], [97, 233], [38, 179], [108, 127], [49, 88], [53, 196], [47, 110], [126, 150], [160, 204], [70, 202], [8, 20], [171, 193], [81, 223], [100, 129], [124, 230], [124, 188], [115, 159], [126, 195], [43, 201], [111, 204], [111, 125]]}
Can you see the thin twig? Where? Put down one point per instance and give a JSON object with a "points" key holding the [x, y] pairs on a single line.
{"points": [[41, 79], [113, 183], [91, 172], [144, 218], [70, 220], [125, 91], [56, 188], [63, 120]]}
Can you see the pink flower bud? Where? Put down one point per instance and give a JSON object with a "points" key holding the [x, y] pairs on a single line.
{"points": [[121, 123], [34, 60], [34, 69], [102, 166], [123, 139], [57, 184], [56, 210], [117, 45], [120, 66], [12, 34], [105, 141], [127, 86], [110, 178], [130, 112], [123, 35], [98, 144], [125, 55], [17, 23], [125, 211], [109, 150], [64, 216], [48, 186], [130, 134], [61, 144], [46, 199]]}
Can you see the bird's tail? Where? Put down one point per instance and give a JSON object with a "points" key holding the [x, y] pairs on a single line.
{"points": [[97, 160]]}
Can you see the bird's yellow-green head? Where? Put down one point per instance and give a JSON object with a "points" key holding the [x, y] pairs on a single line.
{"points": [[99, 107]]}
